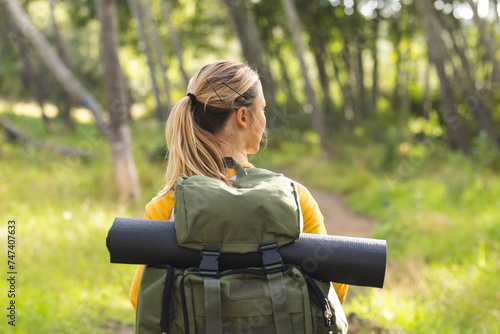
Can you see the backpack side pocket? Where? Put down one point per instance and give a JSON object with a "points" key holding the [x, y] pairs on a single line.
{"points": [[154, 301], [326, 309]]}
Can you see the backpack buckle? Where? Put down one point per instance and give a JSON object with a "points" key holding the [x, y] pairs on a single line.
{"points": [[271, 258], [209, 265]]}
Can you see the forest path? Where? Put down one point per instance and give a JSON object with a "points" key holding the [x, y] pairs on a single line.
{"points": [[340, 220]]}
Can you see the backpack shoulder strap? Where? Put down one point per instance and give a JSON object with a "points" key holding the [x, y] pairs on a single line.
{"points": [[231, 162]]}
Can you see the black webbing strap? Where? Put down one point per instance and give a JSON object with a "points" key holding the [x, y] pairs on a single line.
{"points": [[209, 269], [165, 307], [231, 162], [273, 266]]}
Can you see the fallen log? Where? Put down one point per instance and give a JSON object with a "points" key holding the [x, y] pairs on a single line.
{"points": [[15, 136]]}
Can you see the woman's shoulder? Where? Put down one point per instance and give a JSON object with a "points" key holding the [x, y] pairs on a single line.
{"points": [[160, 208]]}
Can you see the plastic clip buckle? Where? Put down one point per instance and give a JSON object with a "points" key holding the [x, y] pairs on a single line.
{"points": [[271, 258], [209, 265]]}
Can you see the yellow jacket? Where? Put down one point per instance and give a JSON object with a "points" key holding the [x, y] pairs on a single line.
{"points": [[161, 209]]}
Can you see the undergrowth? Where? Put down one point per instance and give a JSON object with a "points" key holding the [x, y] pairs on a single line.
{"points": [[440, 215], [63, 208], [438, 211]]}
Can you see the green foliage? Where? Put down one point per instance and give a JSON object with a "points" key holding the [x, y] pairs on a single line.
{"points": [[63, 208], [442, 225], [438, 210], [440, 219]]}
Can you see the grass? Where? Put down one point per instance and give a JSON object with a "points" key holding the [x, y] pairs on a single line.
{"points": [[441, 221], [439, 214], [63, 208]]}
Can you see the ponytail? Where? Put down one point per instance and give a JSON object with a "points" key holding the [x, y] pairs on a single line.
{"points": [[190, 131]]}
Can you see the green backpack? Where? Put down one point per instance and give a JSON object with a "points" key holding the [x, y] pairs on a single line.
{"points": [[259, 213]]}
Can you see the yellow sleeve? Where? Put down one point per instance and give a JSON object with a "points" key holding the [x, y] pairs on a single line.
{"points": [[160, 209], [314, 223]]}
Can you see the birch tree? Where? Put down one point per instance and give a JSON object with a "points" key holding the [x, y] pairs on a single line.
{"points": [[56, 65], [143, 47], [117, 129], [316, 113], [61, 51], [153, 36], [454, 121], [246, 29], [174, 39], [118, 104], [488, 41]]}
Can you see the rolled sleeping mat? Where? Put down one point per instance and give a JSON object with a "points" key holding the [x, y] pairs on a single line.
{"points": [[348, 260]]}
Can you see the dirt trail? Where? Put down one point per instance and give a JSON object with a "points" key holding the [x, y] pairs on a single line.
{"points": [[340, 220]]}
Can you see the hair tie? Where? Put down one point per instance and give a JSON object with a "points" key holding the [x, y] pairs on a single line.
{"points": [[193, 99]]}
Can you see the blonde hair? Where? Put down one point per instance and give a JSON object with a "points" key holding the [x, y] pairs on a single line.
{"points": [[220, 88]]}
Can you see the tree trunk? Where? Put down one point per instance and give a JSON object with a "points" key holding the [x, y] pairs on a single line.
{"points": [[174, 39], [453, 120], [143, 47], [116, 91], [288, 87], [66, 115], [41, 93], [47, 122], [352, 84], [427, 104], [346, 92], [246, 29], [14, 135], [406, 71], [320, 56], [488, 41], [60, 71], [325, 84], [151, 31], [316, 113], [375, 88], [460, 50], [31, 74], [361, 78], [481, 113], [396, 95]]}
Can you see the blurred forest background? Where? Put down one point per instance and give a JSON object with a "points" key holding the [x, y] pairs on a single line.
{"points": [[392, 104]]}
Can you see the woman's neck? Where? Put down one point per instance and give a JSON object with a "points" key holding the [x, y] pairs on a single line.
{"points": [[238, 154]]}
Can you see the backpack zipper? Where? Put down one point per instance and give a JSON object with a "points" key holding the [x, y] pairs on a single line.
{"points": [[322, 302], [328, 316]]}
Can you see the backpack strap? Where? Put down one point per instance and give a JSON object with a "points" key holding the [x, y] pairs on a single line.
{"points": [[273, 266], [231, 162], [209, 269], [165, 308], [213, 310]]}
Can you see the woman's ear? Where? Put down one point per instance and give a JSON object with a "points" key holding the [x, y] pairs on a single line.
{"points": [[242, 117]]}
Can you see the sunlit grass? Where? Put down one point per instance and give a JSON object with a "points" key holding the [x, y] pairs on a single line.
{"points": [[441, 220], [63, 208]]}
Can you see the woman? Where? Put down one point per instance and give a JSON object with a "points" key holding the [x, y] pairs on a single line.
{"points": [[223, 115]]}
